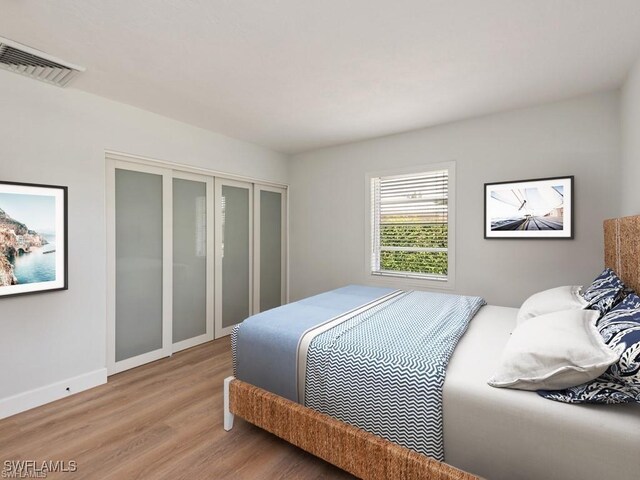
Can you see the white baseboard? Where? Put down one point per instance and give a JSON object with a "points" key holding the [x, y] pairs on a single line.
{"points": [[49, 393]]}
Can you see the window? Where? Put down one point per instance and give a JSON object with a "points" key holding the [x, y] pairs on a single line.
{"points": [[410, 225]]}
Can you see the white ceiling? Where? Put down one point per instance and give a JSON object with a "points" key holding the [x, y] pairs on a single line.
{"points": [[294, 75]]}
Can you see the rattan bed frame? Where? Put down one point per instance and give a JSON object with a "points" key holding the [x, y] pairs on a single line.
{"points": [[622, 249], [358, 452], [366, 455]]}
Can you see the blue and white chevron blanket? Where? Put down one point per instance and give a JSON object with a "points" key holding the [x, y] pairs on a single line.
{"points": [[378, 364]]}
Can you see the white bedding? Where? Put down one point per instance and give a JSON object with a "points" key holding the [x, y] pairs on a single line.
{"points": [[505, 434]]}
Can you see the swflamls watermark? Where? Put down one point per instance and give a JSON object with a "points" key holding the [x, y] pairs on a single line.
{"points": [[36, 469]]}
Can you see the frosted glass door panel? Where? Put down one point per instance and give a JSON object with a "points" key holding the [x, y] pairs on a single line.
{"points": [[270, 249], [235, 254], [189, 259], [138, 221]]}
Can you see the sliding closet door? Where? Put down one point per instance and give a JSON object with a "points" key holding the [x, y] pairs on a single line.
{"points": [[270, 248], [140, 308], [234, 253], [189, 257], [192, 260]]}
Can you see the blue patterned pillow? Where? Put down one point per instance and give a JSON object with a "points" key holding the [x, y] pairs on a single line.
{"points": [[620, 329], [599, 391], [604, 292]]}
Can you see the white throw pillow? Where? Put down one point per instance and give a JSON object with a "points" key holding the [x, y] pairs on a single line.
{"points": [[556, 351], [552, 300]]}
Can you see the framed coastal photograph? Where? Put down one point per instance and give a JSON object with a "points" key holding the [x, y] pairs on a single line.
{"points": [[538, 208], [33, 238]]}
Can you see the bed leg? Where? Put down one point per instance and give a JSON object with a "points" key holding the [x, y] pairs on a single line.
{"points": [[228, 416]]}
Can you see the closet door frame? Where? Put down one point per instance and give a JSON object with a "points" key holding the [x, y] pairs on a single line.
{"points": [[114, 366], [219, 330], [210, 282], [284, 283]]}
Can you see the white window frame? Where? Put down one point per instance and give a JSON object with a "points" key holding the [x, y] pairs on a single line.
{"points": [[398, 279]]}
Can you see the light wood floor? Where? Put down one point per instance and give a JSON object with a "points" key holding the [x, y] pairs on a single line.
{"points": [[162, 420]]}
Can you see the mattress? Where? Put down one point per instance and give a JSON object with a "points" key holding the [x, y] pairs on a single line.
{"points": [[503, 434]]}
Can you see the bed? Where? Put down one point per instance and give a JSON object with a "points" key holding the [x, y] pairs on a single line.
{"points": [[492, 433], [513, 434]]}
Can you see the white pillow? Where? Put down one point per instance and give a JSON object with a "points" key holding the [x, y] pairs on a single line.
{"points": [[552, 300], [557, 351]]}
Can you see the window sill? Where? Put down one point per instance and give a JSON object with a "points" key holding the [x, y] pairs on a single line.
{"points": [[406, 279]]}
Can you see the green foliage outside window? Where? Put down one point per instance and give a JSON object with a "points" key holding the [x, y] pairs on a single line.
{"points": [[414, 235]]}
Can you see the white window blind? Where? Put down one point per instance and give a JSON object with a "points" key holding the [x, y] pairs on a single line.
{"points": [[410, 235]]}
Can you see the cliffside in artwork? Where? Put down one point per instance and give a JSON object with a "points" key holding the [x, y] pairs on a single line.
{"points": [[16, 239]]}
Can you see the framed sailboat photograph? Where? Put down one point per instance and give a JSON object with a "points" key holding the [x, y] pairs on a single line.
{"points": [[538, 208], [33, 238]]}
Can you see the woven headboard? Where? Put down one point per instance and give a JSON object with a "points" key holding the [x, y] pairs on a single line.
{"points": [[622, 249]]}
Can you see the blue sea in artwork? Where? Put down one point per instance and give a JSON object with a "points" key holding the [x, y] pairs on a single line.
{"points": [[37, 266]]}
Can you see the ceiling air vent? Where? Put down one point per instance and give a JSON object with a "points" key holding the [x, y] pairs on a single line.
{"points": [[33, 63]]}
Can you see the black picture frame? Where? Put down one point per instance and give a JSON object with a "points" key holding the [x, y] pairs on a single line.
{"points": [[34, 240], [538, 208]]}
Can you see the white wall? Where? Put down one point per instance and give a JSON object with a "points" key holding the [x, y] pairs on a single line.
{"points": [[630, 168], [58, 136], [576, 137]]}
